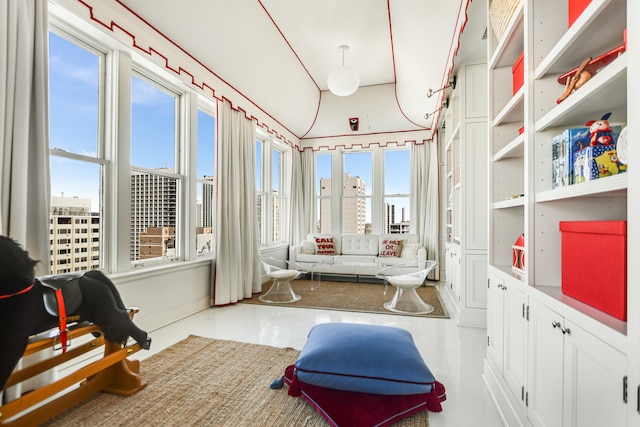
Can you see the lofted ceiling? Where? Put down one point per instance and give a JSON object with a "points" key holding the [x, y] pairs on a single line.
{"points": [[278, 54]]}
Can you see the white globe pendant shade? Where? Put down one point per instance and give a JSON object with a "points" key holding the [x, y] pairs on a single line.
{"points": [[343, 81]]}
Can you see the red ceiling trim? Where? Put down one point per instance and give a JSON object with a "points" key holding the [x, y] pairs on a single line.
{"points": [[395, 80], [364, 134], [112, 26], [365, 146], [303, 67], [453, 51]]}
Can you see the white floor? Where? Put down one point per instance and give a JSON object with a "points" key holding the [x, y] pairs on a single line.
{"points": [[455, 355]]}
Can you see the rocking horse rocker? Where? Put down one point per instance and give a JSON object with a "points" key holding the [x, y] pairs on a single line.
{"points": [[30, 306]]}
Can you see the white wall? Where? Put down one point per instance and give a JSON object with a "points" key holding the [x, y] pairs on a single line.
{"points": [[166, 294]]}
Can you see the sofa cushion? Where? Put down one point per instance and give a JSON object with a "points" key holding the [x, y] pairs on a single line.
{"points": [[337, 240], [390, 248], [410, 250], [360, 244], [325, 246], [307, 247], [355, 259], [391, 260], [315, 258]]}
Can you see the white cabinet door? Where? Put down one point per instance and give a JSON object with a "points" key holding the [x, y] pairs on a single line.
{"points": [[495, 321], [475, 282], [594, 376], [515, 333], [545, 366], [575, 379]]}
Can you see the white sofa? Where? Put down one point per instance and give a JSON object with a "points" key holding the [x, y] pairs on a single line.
{"points": [[358, 254]]}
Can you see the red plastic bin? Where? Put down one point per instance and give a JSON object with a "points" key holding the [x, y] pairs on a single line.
{"points": [[594, 264], [518, 73], [576, 7]]}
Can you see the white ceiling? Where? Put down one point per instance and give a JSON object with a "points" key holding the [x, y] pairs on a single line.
{"points": [[278, 53]]}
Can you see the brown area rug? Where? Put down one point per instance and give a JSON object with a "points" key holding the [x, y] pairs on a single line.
{"points": [[206, 382], [352, 296]]}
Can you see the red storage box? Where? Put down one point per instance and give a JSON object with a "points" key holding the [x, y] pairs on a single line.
{"points": [[575, 9], [594, 264], [518, 73]]}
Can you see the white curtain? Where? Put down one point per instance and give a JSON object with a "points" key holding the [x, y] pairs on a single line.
{"points": [[302, 195], [24, 128], [236, 273], [424, 199]]}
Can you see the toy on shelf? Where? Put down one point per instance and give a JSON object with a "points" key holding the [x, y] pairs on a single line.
{"points": [[580, 76], [598, 158], [517, 263], [600, 131], [574, 79]]}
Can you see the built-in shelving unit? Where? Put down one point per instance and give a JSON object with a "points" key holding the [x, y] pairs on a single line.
{"points": [[465, 142], [523, 307]]}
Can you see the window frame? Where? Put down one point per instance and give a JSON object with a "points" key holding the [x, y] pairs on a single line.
{"points": [[377, 197], [100, 159], [114, 144], [267, 196], [207, 107], [180, 122]]}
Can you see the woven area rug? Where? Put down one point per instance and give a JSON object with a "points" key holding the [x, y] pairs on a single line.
{"points": [[353, 296], [205, 382]]}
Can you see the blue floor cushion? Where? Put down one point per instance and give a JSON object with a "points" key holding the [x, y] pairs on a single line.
{"points": [[363, 358]]}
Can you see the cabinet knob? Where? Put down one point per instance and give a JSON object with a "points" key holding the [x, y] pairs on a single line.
{"points": [[556, 324]]}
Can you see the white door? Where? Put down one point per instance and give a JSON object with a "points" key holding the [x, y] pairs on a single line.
{"points": [[546, 346], [495, 320], [515, 333], [594, 378]]}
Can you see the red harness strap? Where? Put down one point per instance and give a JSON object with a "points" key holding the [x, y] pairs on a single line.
{"points": [[25, 290], [62, 320]]}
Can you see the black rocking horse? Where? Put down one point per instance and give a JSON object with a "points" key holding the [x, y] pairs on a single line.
{"points": [[29, 306]]}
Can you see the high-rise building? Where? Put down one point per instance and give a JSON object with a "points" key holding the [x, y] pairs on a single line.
{"points": [[389, 217], [157, 242], [208, 194], [354, 208], [153, 205], [75, 235]]}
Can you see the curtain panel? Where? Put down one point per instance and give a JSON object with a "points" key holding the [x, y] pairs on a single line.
{"points": [[303, 195], [236, 271], [24, 153], [424, 199], [24, 126]]}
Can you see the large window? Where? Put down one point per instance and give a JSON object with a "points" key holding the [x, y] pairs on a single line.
{"points": [[205, 204], [119, 187], [323, 193], [363, 191], [397, 183], [272, 196], [77, 154], [356, 193], [155, 185]]}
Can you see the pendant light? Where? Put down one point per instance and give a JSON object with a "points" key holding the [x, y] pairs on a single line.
{"points": [[343, 81]]}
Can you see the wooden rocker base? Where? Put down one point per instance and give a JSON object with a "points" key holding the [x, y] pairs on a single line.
{"points": [[113, 373]]}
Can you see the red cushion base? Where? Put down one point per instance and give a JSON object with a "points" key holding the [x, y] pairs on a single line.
{"points": [[347, 408]]}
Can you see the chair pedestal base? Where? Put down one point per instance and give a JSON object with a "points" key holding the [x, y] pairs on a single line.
{"points": [[280, 292], [408, 301]]}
